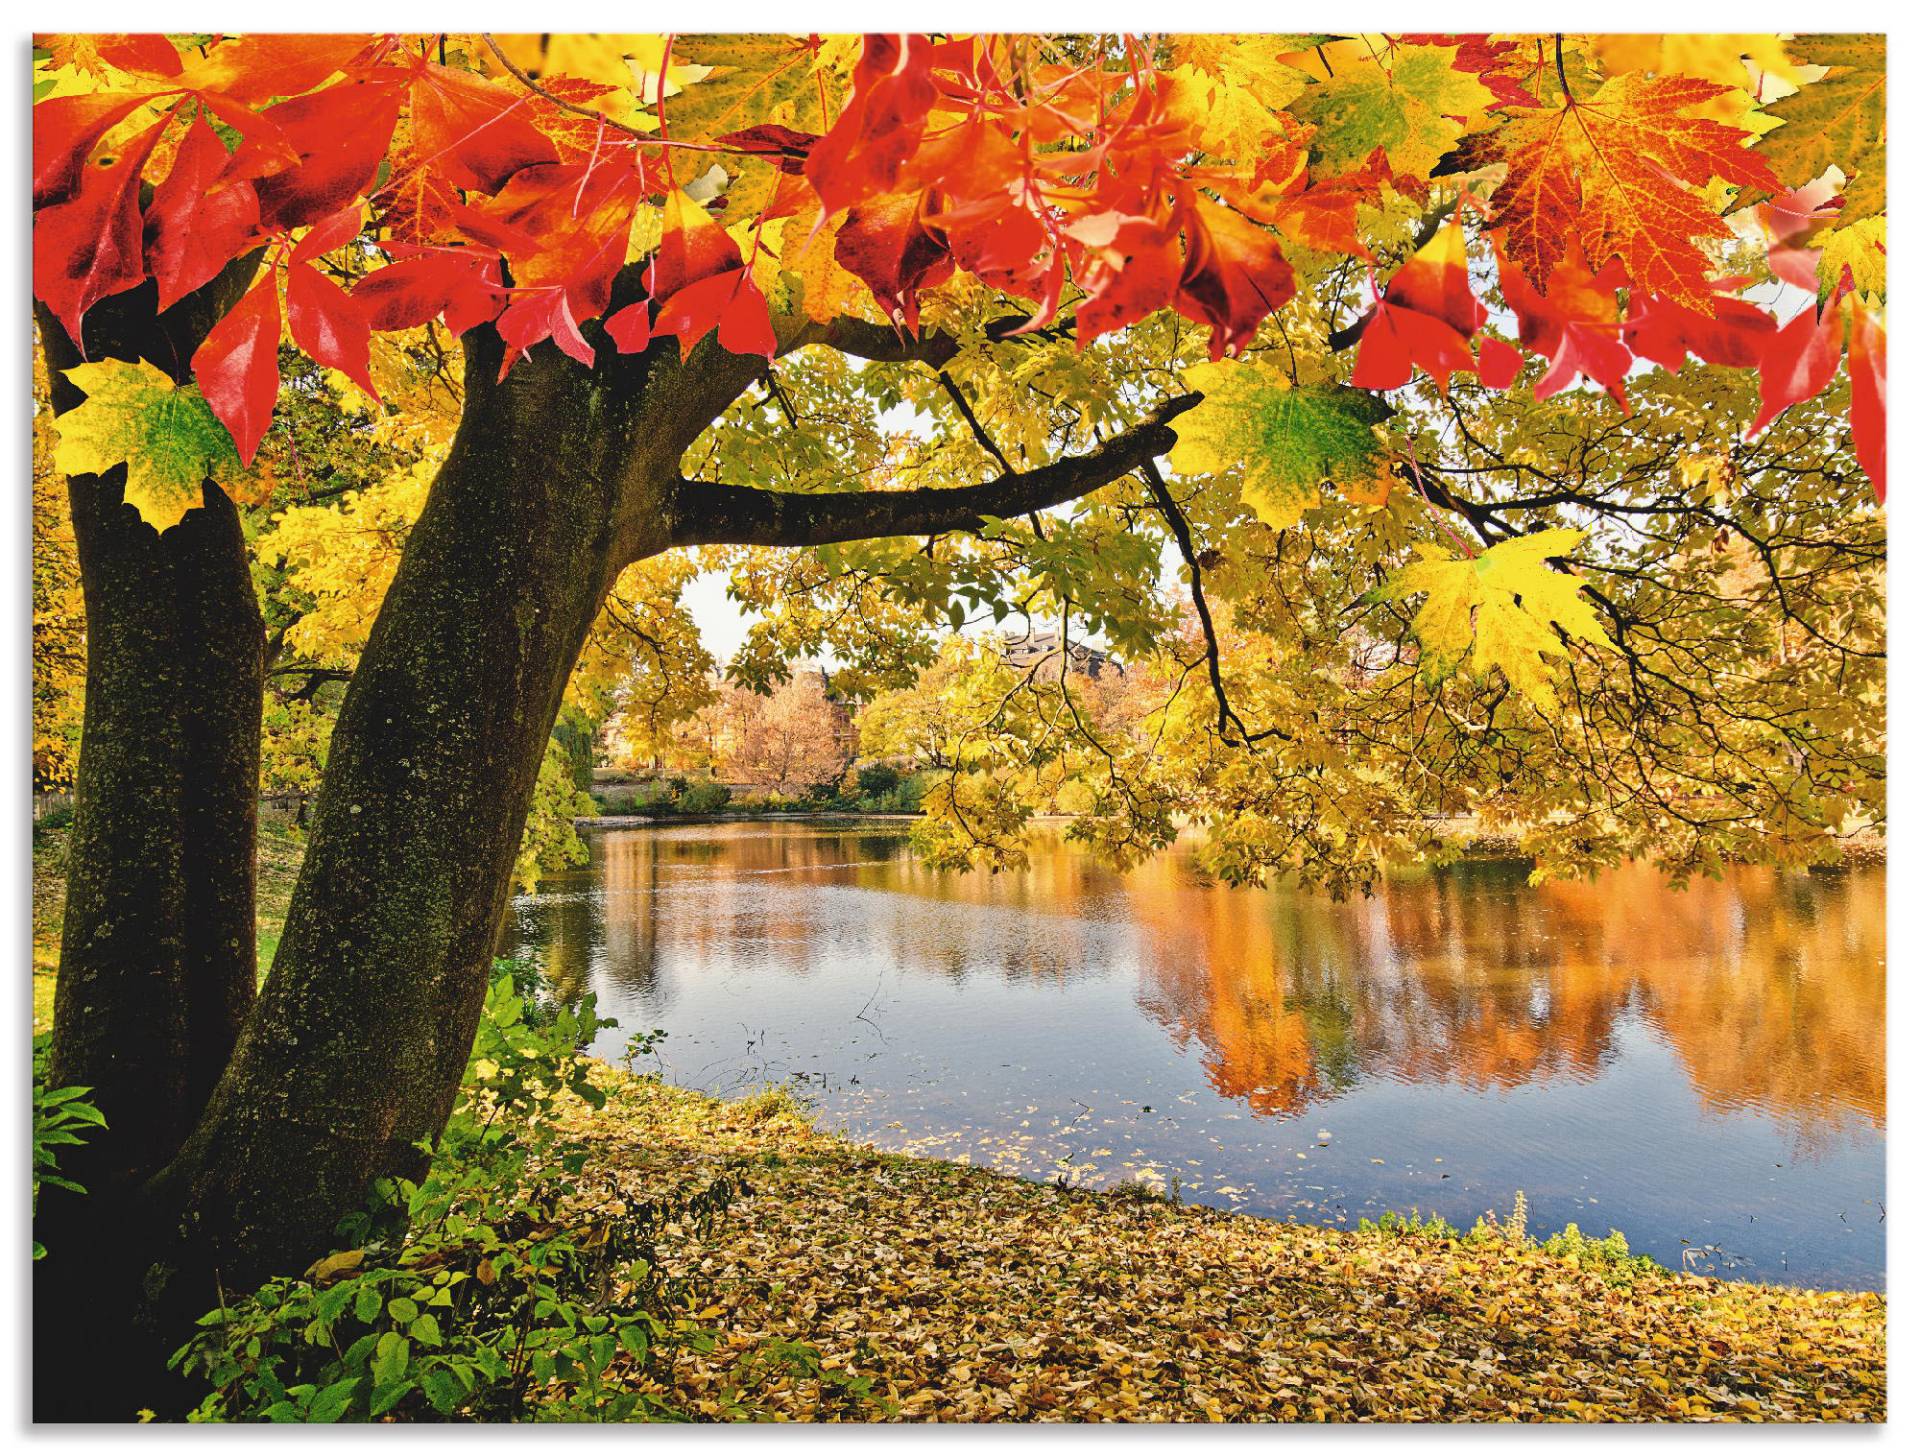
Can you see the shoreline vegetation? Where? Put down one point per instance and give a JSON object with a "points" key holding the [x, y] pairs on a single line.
{"points": [[842, 1282], [1472, 841]]}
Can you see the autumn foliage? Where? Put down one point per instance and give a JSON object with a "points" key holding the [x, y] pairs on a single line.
{"points": [[503, 182]]}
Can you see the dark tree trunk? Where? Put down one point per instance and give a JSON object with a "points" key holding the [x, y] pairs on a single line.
{"points": [[157, 966], [556, 479]]}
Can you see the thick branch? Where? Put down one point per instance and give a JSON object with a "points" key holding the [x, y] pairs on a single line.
{"points": [[884, 344], [880, 343], [706, 514]]}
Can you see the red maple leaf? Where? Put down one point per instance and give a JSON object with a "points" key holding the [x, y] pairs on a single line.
{"points": [[198, 221], [1800, 361], [1427, 316], [238, 367], [89, 246], [1575, 325], [1867, 373], [881, 124], [1617, 172]]}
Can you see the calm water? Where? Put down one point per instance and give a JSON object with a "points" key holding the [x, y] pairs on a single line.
{"points": [[1704, 1071]]}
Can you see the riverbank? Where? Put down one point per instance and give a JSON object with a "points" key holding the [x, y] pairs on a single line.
{"points": [[1465, 833], [963, 1294], [744, 816], [956, 1293]]}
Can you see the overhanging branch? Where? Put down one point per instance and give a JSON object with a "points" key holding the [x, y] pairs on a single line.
{"points": [[705, 514]]}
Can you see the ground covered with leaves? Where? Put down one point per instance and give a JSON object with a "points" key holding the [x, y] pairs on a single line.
{"points": [[934, 1291]]}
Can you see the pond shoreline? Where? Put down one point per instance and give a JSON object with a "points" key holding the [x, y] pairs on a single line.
{"points": [[962, 1293], [744, 816], [1463, 833], [1456, 1036]]}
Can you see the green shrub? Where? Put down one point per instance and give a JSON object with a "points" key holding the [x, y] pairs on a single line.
{"points": [[705, 797], [875, 779], [1609, 1257], [504, 1285], [61, 1116], [1408, 1226]]}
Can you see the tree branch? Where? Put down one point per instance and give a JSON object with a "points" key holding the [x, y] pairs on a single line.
{"points": [[880, 343], [1183, 538], [884, 344], [706, 514]]}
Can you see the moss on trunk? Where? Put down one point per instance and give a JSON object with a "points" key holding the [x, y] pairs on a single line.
{"points": [[555, 481]]}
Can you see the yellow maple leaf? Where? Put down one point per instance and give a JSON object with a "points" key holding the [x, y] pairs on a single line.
{"points": [[1504, 605], [1227, 87], [830, 290], [165, 435], [1735, 61]]}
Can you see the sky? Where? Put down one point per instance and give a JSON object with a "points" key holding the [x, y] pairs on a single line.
{"points": [[723, 624]]}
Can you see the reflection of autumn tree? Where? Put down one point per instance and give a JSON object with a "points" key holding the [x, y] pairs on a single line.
{"points": [[1768, 987], [1477, 979]]}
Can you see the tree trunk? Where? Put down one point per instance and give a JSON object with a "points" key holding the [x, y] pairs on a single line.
{"points": [[157, 967], [556, 479]]}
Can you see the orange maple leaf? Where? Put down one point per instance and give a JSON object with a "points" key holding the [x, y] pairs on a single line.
{"points": [[1619, 172]]}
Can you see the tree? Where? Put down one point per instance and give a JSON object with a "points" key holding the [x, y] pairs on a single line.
{"points": [[692, 280], [785, 741]]}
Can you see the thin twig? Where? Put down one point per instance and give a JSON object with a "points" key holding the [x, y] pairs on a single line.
{"points": [[1183, 538]]}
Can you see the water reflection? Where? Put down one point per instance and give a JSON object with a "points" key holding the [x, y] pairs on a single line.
{"points": [[1770, 987], [1598, 1031]]}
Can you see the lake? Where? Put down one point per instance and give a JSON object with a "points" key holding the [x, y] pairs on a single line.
{"points": [[1703, 1070]]}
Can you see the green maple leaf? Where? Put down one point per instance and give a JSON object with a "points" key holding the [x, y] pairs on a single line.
{"points": [[1841, 118], [1286, 441], [1405, 105], [1503, 605], [164, 433]]}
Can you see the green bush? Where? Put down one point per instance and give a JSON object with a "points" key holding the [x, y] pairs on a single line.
{"points": [[875, 779], [1408, 1226], [705, 797], [61, 1116], [504, 1285], [1609, 1256]]}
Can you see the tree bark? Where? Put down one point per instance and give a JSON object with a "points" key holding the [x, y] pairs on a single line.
{"points": [[157, 967], [555, 480], [157, 946]]}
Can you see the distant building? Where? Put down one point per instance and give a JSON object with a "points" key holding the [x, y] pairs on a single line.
{"points": [[1042, 644]]}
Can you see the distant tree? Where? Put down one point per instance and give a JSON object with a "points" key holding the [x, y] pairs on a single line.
{"points": [[786, 741]]}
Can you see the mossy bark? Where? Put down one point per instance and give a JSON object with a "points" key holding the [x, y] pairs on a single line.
{"points": [[555, 480], [157, 967], [157, 963]]}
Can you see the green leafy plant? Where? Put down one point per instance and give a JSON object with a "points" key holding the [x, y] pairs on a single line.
{"points": [[506, 1284], [61, 1116], [1408, 1226]]}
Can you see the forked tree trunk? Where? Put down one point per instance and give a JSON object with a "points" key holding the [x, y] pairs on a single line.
{"points": [[556, 479]]}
